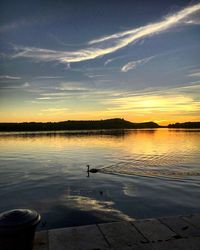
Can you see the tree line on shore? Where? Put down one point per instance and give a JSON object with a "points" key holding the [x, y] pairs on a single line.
{"points": [[116, 123], [185, 125]]}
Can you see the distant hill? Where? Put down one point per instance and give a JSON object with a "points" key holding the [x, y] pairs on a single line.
{"points": [[185, 125], [116, 123]]}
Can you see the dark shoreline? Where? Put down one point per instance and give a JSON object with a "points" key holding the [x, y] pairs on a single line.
{"points": [[75, 125], [109, 124]]}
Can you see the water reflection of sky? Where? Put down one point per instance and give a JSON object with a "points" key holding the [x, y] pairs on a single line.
{"points": [[101, 208], [48, 173]]}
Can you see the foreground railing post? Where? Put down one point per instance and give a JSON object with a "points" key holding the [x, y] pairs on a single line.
{"points": [[17, 229]]}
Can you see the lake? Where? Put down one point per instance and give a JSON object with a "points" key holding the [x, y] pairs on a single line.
{"points": [[144, 173]]}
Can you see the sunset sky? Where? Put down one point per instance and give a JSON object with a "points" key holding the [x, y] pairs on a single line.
{"points": [[83, 60]]}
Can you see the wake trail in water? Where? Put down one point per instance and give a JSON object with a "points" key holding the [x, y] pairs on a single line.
{"points": [[157, 168]]}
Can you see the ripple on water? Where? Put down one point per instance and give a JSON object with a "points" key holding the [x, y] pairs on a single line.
{"points": [[37, 170]]}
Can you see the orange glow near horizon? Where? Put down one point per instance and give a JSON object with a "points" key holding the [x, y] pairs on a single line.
{"points": [[160, 119], [163, 106]]}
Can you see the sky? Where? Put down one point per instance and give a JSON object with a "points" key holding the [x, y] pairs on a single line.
{"points": [[88, 60]]}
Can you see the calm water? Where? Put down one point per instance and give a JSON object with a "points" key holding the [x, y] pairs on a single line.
{"points": [[146, 173]]}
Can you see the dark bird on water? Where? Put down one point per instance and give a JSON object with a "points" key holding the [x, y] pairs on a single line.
{"points": [[92, 170]]}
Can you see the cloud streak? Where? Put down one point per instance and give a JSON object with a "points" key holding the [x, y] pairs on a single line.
{"points": [[49, 77], [7, 77], [196, 74], [179, 100], [13, 25], [54, 110], [134, 64], [107, 44]]}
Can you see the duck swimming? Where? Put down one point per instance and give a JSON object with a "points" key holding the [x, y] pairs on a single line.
{"points": [[93, 170]]}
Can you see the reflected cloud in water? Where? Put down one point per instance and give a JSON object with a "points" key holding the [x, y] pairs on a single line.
{"points": [[104, 208], [47, 171], [130, 190]]}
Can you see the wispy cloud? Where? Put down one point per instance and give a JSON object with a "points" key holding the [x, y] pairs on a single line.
{"points": [[114, 59], [49, 98], [26, 85], [134, 64], [107, 44], [193, 20], [21, 86], [20, 23], [196, 74], [178, 100], [49, 77], [66, 91], [92, 75], [54, 109], [13, 25], [7, 77]]}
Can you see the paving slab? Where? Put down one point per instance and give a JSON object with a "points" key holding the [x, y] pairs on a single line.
{"points": [[152, 234], [154, 230], [41, 241], [180, 226], [193, 219], [121, 234], [77, 238], [136, 247], [179, 244]]}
